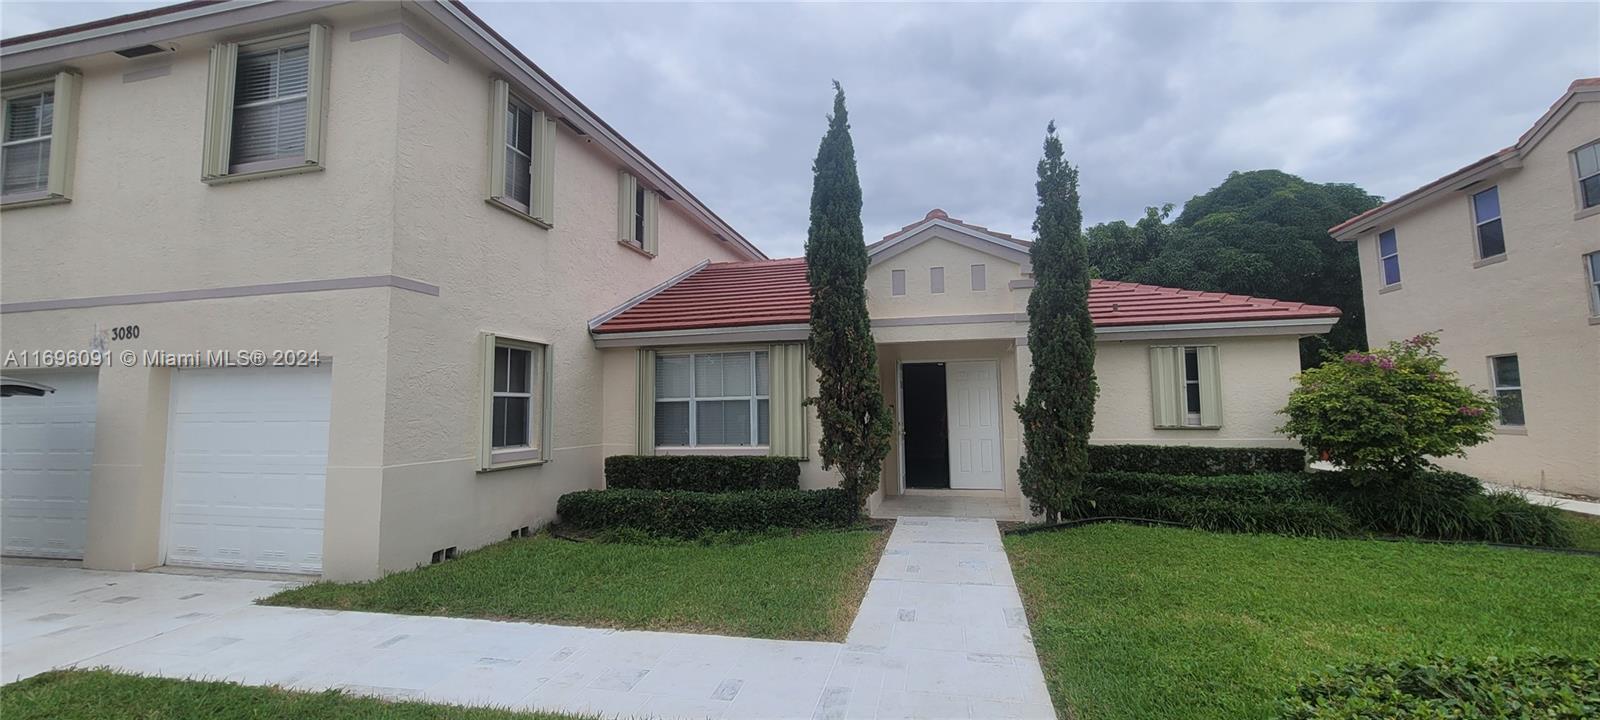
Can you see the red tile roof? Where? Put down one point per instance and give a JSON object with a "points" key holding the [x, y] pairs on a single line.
{"points": [[775, 292], [1581, 84], [724, 294]]}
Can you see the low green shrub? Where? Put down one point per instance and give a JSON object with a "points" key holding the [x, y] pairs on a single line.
{"points": [[689, 514], [1194, 459], [1268, 503], [1443, 506], [1539, 686], [702, 473]]}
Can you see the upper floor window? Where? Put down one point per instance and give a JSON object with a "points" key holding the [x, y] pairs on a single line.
{"points": [[980, 278], [522, 166], [1389, 257], [712, 399], [1592, 263], [637, 214], [1486, 215], [936, 280], [264, 105], [36, 147], [1507, 379], [897, 282], [1587, 159]]}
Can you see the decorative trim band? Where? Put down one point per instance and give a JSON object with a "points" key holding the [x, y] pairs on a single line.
{"points": [[282, 288], [703, 336], [401, 28]]}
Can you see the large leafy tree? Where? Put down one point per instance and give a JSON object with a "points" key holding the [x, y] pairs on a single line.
{"points": [[849, 401], [1058, 413], [1262, 233]]}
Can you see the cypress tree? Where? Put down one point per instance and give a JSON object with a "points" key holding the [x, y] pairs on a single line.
{"points": [[849, 401], [1058, 414]]}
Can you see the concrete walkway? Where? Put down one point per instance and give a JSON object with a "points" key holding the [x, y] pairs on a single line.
{"points": [[941, 634]]}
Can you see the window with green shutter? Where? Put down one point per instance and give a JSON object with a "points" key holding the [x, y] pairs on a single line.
{"points": [[1185, 387], [37, 146], [265, 105]]}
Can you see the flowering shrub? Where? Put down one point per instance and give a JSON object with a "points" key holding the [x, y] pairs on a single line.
{"points": [[1388, 410]]}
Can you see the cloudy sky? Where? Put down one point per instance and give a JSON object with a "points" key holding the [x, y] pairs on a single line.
{"points": [[948, 102]]}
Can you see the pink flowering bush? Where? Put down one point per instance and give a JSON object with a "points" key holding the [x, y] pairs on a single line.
{"points": [[1387, 411]]}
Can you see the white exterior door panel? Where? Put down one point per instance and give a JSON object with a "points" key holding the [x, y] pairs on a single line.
{"points": [[972, 397], [46, 459], [247, 459]]}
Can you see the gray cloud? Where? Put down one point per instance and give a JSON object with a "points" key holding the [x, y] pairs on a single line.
{"points": [[948, 103]]}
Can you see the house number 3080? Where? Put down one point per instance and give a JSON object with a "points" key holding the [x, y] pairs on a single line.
{"points": [[126, 332]]}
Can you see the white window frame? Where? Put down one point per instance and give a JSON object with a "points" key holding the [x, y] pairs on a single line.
{"points": [[222, 88], [537, 451], [1495, 384], [1579, 177], [1591, 265], [61, 136], [1383, 270], [757, 395], [1477, 225], [1191, 415]]}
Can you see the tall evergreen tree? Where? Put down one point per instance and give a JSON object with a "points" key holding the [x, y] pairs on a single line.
{"points": [[1058, 413], [849, 401]]}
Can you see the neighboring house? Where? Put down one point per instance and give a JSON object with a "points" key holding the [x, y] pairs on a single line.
{"points": [[713, 362], [1503, 258], [389, 188], [411, 223]]}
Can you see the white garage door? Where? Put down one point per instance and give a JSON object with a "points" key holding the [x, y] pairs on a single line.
{"points": [[247, 458], [46, 456]]}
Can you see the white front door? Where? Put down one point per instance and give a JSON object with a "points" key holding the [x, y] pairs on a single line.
{"points": [[972, 393], [247, 459], [46, 457]]}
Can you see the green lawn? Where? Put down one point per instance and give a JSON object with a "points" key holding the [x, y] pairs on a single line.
{"points": [[803, 586], [1585, 531], [101, 695], [1142, 622]]}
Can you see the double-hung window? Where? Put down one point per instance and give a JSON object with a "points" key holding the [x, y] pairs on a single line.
{"points": [[1587, 160], [712, 399], [1591, 264], [1506, 375], [1389, 258], [522, 164], [36, 147], [638, 211], [1185, 386], [517, 402], [1486, 216], [265, 105]]}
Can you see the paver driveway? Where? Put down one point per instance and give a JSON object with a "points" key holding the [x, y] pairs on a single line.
{"points": [[941, 634]]}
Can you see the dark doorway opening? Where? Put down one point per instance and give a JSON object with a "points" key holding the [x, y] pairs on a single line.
{"points": [[927, 440]]}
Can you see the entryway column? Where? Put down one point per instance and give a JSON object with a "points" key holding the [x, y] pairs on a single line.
{"points": [[130, 450]]}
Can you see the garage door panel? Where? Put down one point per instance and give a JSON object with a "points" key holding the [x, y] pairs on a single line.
{"points": [[46, 460], [248, 469]]}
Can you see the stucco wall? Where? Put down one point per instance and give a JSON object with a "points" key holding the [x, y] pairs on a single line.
{"points": [[499, 273], [958, 297], [1533, 304]]}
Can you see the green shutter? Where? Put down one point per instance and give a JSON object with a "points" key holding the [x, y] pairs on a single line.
{"points": [[1210, 386], [544, 168], [786, 408], [219, 110], [646, 403], [627, 186], [63, 134], [1166, 386], [499, 98], [316, 91]]}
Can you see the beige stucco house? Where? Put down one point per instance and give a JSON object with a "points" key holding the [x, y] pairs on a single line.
{"points": [[1503, 258], [710, 362], [344, 288]]}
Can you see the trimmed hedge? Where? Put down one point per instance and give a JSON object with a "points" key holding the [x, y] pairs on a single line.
{"points": [[688, 514], [1195, 459], [702, 473], [1446, 506], [1543, 686]]}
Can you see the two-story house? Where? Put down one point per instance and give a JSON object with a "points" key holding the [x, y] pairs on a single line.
{"points": [[401, 211], [1503, 258], [342, 288]]}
